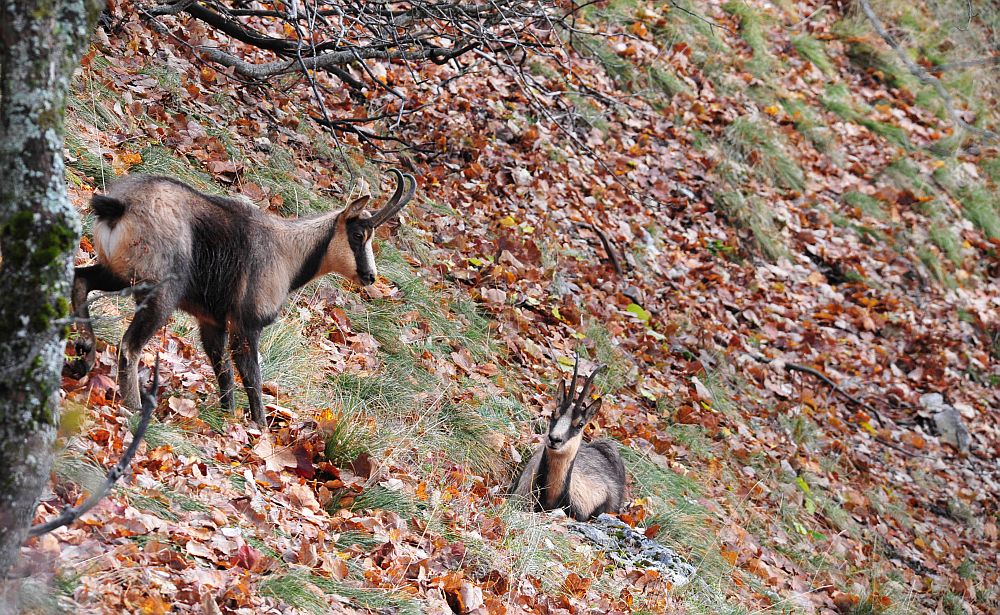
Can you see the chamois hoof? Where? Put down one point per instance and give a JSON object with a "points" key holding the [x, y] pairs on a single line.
{"points": [[77, 368]]}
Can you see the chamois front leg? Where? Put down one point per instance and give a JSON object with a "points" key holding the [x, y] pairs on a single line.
{"points": [[216, 341], [86, 279], [152, 312], [244, 347]]}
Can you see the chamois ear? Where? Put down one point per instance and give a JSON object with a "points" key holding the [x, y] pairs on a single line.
{"points": [[356, 207], [591, 409], [561, 397]]}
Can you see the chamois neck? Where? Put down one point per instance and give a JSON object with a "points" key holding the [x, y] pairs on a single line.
{"points": [[555, 473], [305, 242]]}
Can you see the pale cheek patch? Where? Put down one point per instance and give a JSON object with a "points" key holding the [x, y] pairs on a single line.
{"points": [[561, 428], [370, 256]]}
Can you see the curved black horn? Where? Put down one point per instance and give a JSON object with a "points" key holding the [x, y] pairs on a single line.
{"points": [[398, 200], [569, 401], [586, 385]]}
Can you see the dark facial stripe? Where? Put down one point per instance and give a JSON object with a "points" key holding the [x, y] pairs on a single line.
{"points": [[314, 260], [359, 230]]}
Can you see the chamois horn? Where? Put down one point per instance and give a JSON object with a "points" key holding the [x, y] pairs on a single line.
{"points": [[396, 203]]}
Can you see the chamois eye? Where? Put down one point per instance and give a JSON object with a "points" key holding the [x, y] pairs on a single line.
{"points": [[357, 236]]}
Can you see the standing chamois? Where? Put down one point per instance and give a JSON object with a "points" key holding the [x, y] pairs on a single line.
{"points": [[584, 480], [223, 261]]}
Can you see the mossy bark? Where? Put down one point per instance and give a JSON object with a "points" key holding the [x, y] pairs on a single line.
{"points": [[42, 42]]}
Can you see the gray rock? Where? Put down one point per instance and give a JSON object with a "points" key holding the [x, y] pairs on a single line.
{"points": [[629, 548], [948, 421]]}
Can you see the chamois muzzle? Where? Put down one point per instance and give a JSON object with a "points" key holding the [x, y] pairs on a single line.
{"points": [[398, 200]]}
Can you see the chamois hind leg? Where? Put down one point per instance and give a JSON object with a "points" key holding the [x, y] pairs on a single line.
{"points": [[244, 347], [86, 279], [216, 341], [152, 312]]}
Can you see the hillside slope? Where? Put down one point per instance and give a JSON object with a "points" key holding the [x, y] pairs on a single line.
{"points": [[727, 194]]}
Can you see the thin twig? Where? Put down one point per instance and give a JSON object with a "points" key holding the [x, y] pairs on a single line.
{"points": [[922, 75], [69, 515]]}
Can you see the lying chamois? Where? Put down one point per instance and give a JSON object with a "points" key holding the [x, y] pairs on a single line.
{"points": [[223, 261], [584, 480]]}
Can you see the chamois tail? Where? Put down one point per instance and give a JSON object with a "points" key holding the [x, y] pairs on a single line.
{"points": [[106, 208]]}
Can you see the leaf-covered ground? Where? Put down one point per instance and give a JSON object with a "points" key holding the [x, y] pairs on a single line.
{"points": [[773, 184]]}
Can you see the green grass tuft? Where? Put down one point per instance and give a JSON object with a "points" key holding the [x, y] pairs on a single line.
{"points": [[755, 144], [752, 214], [982, 208], [287, 358], [382, 498], [296, 591], [812, 50], [751, 29], [868, 205], [809, 124], [158, 160]]}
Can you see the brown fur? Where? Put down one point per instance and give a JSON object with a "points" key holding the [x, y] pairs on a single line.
{"points": [[222, 260], [582, 479]]}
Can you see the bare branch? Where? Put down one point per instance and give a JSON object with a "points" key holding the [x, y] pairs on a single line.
{"points": [[990, 61], [69, 515], [926, 78]]}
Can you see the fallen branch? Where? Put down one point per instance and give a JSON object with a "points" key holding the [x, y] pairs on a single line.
{"points": [[805, 369], [608, 247], [922, 75], [69, 515], [990, 61]]}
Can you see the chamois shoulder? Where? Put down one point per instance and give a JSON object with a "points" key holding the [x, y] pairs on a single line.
{"points": [[169, 196]]}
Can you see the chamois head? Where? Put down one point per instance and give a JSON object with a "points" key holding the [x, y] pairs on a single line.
{"points": [[350, 252], [572, 413]]}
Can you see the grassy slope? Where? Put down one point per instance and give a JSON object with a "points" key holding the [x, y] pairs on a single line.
{"points": [[834, 221]]}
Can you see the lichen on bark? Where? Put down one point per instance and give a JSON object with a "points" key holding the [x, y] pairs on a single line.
{"points": [[42, 42]]}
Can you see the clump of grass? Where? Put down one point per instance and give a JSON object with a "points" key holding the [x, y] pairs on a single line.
{"points": [[382, 498], [82, 159], [751, 29], [991, 166], [812, 50], [598, 49], [163, 434], [279, 176], [868, 57], [588, 112], [378, 600], [470, 438], [295, 591], [868, 205], [158, 160], [452, 320], [666, 82], [944, 237], [287, 358], [602, 349], [673, 505], [905, 173], [347, 439], [932, 262], [752, 214], [760, 147], [808, 124], [365, 541], [837, 98], [71, 467], [982, 208]]}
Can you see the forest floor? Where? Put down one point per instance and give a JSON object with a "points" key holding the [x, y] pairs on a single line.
{"points": [[772, 184]]}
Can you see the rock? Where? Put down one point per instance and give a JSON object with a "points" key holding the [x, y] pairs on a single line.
{"points": [[629, 548], [948, 421]]}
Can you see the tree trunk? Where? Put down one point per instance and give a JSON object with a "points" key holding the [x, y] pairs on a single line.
{"points": [[42, 42]]}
